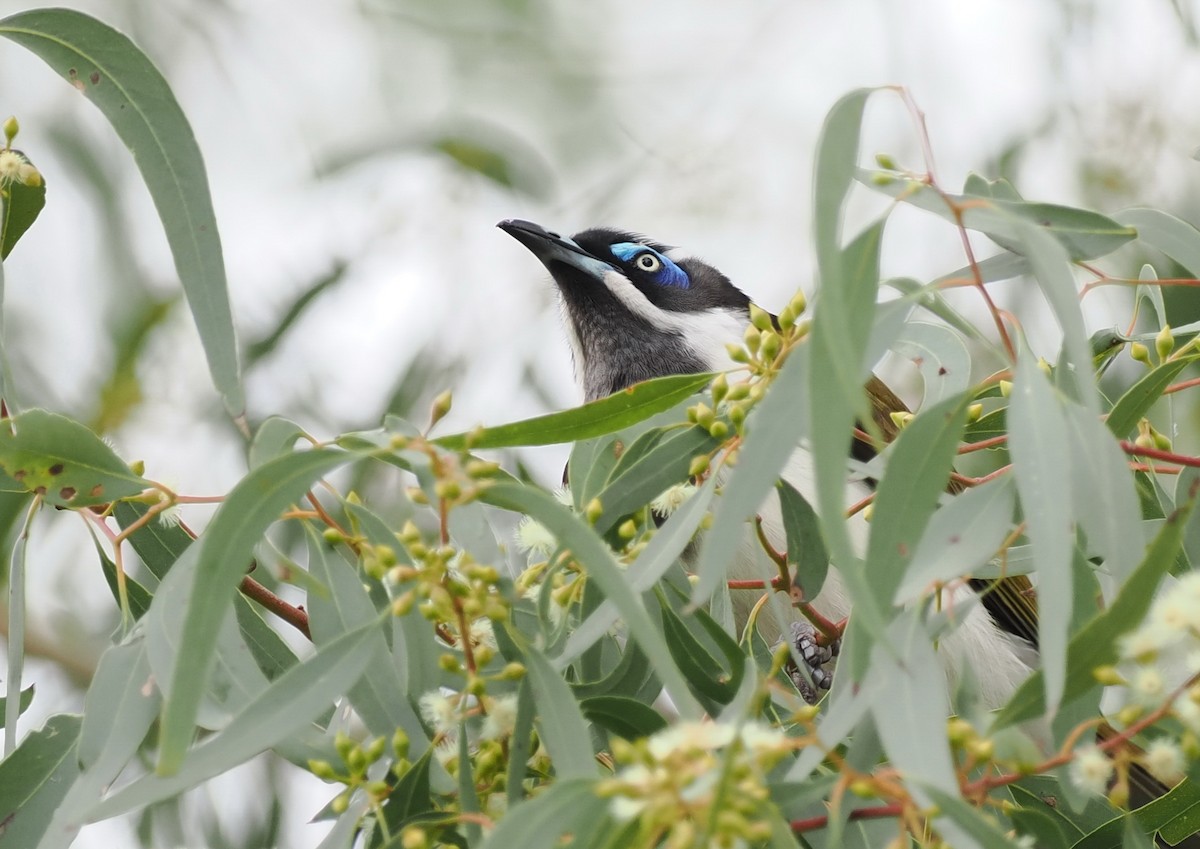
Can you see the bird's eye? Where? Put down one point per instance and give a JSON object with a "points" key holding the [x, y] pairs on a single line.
{"points": [[648, 262]]}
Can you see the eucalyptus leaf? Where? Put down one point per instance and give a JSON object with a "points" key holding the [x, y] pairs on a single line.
{"points": [[1095, 644], [223, 554], [34, 779], [596, 418], [1040, 446], [110, 70], [63, 461]]}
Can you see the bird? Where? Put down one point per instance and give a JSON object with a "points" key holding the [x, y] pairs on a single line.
{"points": [[634, 309]]}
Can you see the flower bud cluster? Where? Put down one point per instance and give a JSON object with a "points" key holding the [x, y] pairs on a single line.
{"points": [[356, 760], [672, 781]]}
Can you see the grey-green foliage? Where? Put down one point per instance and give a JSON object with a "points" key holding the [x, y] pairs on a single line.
{"points": [[508, 698]]}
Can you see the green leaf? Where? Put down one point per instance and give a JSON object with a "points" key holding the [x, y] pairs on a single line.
{"points": [[35, 778], [667, 544], [596, 418], [961, 536], [805, 547], [7, 392], [292, 701], [1083, 233], [1101, 479], [23, 702], [225, 551], [158, 545], [834, 384], [1139, 398], [714, 683], [410, 797], [835, 170], [275, 437], [910, 713], [601, 568], [378, 698], [772, 433], [570, 806], [1095, 644], [121, 704], [1053, 273], [139, 596], [940, 355], [636, 485], [1174, 237], [963, 825], [64, 462], [1040, 446], [918, 467], [1174, 815], [20, 205], [623, 716], [560, 723], [110, 70]]}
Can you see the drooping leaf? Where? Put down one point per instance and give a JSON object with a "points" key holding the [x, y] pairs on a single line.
{"points": [[343, 605], [289, 704], [110, 70], [919, 465], [559, 720], [1040, 448], [805, 548], [35, 778], [224, 553]]}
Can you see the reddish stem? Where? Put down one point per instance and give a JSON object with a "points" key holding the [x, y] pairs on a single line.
{"points": [[878, 812]]}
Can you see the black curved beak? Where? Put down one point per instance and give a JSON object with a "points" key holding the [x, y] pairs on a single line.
{"points": [[553, 248]]}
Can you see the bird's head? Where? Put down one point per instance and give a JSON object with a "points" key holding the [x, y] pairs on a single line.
{"points": [[634, 308]]}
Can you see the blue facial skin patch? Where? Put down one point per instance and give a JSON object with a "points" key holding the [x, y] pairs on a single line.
{"points": [[669, 275]]}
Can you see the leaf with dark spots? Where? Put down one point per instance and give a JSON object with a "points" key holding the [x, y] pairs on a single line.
{"points": [[60, 459]]}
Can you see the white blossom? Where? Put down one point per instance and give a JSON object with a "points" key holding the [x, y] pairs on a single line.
{"points": [[1164, 760], [439, 711], [672, 499], [688, 737], [535, 538], [1091, 770], [564, 497], [501, 718], [1188, 713], [1148, 686], [762, 739]]}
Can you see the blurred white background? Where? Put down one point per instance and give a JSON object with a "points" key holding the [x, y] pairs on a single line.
{"points": [[328, 131]]}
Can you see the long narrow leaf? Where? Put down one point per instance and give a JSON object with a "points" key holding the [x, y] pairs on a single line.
{"points": [[596, 418], [224, 553], [112, 72]]}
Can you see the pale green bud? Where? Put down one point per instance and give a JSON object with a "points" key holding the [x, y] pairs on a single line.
{"points": [[439, 408], [760, 318], [1164, 343]]}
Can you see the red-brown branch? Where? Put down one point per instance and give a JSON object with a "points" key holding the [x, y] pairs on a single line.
{"points": [[878, 812]]}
